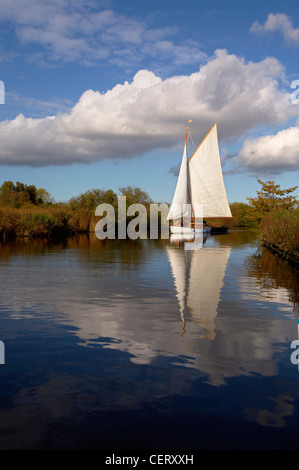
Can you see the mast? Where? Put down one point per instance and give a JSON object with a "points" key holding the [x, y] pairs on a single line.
{"points": [[181, 195], [187, 132]]}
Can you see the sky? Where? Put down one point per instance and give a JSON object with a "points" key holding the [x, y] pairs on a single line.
{"points": [[97, 94]]}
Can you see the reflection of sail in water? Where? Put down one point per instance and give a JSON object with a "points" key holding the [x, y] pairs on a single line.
{"points": [[180, 265], [198, 277]]}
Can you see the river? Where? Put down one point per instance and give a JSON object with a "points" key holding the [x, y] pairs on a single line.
{"points": [[121, 344]]}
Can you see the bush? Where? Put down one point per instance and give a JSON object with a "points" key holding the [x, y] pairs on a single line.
{"points": [[79, 221], [42, 225], [281, 228]]}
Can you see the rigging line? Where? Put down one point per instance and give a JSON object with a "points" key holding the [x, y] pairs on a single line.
{"points": [[190, 135]]}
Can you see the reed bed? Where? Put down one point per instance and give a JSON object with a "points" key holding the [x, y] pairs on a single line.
{"points": [[281, 228], [36, 222]]}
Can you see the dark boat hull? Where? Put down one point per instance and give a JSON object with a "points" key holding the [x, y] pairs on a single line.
{"points": [[216, 230]]}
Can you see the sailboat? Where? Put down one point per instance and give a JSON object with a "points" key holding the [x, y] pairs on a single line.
{"points": [[200, 192]]}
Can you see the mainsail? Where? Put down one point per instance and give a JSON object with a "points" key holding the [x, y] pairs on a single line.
{"points": [[200, 182]]}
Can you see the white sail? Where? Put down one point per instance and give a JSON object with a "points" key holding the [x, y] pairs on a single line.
{"points": [[181, 198], [200, 183], [206, 179]]}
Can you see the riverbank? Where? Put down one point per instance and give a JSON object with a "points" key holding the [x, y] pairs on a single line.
{"points": [[26, 211], [78, 216], [280, 234], [44, 222], [291, 257]]}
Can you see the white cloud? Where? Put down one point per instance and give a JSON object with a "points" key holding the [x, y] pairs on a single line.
{"points": [[87, 33], [272, 153], [281, 23], [150, 113]]}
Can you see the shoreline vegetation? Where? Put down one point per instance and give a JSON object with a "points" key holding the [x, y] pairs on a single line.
{"points": [[276, 212], [26, 211], [280, 234]]}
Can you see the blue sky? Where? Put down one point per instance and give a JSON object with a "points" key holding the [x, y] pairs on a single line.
{"points": [[98, 93]]}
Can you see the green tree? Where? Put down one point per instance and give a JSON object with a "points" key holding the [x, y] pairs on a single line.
{"points": [[32, 193], [271, 198], [20, 187], [92, 198], [7, 187], [135, 195], [43, 197], [240, 212], [16, 195]]}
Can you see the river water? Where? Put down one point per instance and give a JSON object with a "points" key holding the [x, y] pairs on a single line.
{"points": [[116, 345]]}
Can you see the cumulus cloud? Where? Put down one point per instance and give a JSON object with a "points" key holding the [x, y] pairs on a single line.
{"points": [[89, 33], [272, 153], [150, 113], [281, 23]]}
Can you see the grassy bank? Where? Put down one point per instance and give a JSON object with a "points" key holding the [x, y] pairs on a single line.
{"points": [[26, 211], [280, 232], [78, 216], [36, 222]]}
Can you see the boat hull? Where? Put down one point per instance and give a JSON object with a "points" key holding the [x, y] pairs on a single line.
{"points": [[215, 230], [189, 230]]}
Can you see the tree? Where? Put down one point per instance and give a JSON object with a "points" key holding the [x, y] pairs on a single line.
{"points": [[135, 195], [271, 198], [20, 187], [241, 215], [92, 198], [32, 192], [19, 194], [43, 197], [7, 187]]}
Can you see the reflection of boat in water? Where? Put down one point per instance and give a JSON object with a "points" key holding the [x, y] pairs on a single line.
{"points": [[200, 191], [198, 277], [190, 241]]}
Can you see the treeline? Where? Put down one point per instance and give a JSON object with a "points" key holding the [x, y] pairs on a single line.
{"points": [[26, 211], [29, 211], [20, 194]]}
